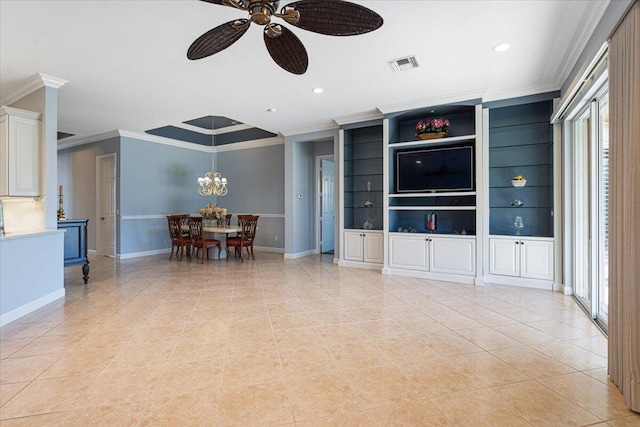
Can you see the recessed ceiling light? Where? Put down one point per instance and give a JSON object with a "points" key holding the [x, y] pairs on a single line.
{"points": [[317, 90], [272, 110], [501, 47]]}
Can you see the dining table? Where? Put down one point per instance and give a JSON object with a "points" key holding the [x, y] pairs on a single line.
{"points": [[222, 232]]}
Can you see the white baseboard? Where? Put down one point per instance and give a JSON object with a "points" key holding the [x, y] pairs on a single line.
{"points": [[520, 282], [358, 264], [143, 254], [269, 249], [168, 250], [300, 254], [31, 307]]}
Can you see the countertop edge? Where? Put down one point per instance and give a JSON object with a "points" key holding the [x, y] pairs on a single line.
{"points": [[14, 236]]}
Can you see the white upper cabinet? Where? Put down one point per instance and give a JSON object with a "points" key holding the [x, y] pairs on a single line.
{"points": [[20, 153]]}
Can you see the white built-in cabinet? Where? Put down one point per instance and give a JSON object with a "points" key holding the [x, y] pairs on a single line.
{"points": [[20, 152], [433, 253], [526, 257], [364, 246]]}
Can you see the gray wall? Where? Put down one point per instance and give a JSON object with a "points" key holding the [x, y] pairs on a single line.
{"points": [[77, 175], [300, 152], [256, 186]]}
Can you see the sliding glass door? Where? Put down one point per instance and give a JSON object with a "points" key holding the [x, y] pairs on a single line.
{"points": [[590, 138]]}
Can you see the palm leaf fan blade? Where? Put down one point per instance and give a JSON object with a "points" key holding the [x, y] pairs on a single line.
{"points": [[287, 51], [335, 17], [217, 39]]}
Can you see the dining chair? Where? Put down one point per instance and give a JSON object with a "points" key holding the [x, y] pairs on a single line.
{"points": [[199, 239], [248, 225], [179, 234], [226, 221]]}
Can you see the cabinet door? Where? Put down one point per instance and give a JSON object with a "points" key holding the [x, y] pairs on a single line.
{"points": [[408, 252], [353, 246], [504, 257], [452, 256], [24, 157], [372, 246], [536, 259]]}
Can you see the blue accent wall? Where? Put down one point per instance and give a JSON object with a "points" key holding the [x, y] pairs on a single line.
{"points": [[256, 185], [156, 179]]}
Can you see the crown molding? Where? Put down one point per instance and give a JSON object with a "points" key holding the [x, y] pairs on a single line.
{"points": [[34, 83], [75, 141], [192, 128], [256, 143], [203, 131], [234, 128], [22, 113], [587, 26], [310, 129], [519, 91], [429, 102], [165, 141], [347, 120]]}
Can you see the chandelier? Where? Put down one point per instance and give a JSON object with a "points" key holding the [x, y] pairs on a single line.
{"points": [[212, 184]]}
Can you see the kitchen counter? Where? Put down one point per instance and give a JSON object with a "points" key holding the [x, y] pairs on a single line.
{"points": [[31, 272]]}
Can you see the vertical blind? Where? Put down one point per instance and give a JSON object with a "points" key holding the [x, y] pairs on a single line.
{"points": [[624, 233]]}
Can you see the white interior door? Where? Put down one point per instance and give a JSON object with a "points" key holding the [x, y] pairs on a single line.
{"points": [[327, 214], [106, 227]]}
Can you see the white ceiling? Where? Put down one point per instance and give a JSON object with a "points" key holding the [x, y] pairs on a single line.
{"points": [[126, 65]]}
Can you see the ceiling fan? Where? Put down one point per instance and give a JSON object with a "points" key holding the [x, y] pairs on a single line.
{"points": [[329, 17]]}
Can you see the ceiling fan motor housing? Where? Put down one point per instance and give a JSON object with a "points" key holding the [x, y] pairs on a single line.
{"points": [[261, 11]]}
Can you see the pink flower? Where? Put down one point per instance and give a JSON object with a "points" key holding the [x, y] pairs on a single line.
{"points": [[432, 125]]}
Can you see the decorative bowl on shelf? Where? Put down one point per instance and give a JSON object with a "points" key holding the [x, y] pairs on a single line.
{"points": [[519, 181]]}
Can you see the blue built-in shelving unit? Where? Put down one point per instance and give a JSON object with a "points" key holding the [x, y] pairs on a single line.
{"points": [[363, 180], [521, 143]]}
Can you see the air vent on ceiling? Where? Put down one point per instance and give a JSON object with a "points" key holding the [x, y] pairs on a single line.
{"points": [[404, 64]]}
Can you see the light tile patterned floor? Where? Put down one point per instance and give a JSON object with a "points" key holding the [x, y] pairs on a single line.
{"points": [[153, 342]]}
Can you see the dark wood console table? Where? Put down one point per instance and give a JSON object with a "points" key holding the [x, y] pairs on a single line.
{"points": [[75, 244]]}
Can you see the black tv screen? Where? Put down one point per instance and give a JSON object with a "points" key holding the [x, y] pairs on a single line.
{"points": [[435, 169]]}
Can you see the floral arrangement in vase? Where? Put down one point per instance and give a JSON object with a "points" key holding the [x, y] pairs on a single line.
{"points": [[432, 128], [213, 212]]}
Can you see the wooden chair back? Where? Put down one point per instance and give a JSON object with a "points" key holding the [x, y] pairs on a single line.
{"points": [[226, 220], [179, 234], [195, 227], [248, 225], [178, 226]]}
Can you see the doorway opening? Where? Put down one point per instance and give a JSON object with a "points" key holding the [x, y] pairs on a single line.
{"points": [[325, 205], [106, 205]]}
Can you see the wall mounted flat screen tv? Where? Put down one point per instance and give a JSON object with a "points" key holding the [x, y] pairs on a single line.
{"points": [[435, 169]]}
